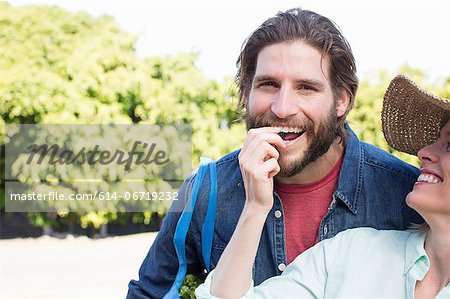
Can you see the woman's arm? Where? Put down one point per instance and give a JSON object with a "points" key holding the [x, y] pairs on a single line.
{"points": [[306, 278], [233, 274]]}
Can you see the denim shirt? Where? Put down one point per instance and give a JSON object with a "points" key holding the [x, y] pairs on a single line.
{"points": [[371, 192]]}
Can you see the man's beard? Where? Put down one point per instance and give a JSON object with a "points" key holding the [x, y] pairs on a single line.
{"points": [[319, 140]]}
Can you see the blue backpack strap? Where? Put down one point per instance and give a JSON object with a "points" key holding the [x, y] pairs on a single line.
{"points": [[179, 238], [210, 218]]}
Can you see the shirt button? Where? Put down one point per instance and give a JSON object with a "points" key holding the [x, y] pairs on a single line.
{"points": [[277, 214], [281, 267], [325, 229]]}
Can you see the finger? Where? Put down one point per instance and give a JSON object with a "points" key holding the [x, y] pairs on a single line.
{"points": [[267, 129], [252, 166], [263, 133], [260, 154], [266, 170], [271, 167], [254, 141], [272, 138]]}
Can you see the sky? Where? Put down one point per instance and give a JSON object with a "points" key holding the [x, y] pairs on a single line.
{"points": [[383, 34]]}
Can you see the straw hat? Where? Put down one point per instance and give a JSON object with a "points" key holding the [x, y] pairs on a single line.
{"points": [[411, 117]]}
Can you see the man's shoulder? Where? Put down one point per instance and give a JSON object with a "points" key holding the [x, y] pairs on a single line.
{"points": [[227, 170], [228, 167], [228, 173], [229, 159], [382, 160], [225, 163]]}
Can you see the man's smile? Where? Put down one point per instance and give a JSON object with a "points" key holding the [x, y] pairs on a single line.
{"points": [[291, 133]]}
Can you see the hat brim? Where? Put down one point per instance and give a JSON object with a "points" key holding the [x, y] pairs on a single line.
{"points": [[411, 117]]}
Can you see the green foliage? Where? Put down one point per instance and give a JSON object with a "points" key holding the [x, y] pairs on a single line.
{"points": [[190, 283], [58, 67], [70, 68], [54, 63]]}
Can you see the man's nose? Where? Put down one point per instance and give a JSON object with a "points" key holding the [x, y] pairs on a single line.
{"points": [[285, 104]]}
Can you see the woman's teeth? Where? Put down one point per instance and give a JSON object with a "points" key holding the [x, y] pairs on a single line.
{"points": [[429, 178]]}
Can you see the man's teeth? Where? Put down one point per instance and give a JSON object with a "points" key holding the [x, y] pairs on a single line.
{"points": [[429, 178], [290, 130]]}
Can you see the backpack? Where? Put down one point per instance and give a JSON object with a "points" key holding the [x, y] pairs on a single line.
{"points": [[179, 239]]}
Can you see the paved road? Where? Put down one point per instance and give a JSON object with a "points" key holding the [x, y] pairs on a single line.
{"points": [[75, 267]]}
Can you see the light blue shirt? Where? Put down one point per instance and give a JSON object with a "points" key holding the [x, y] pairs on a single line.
{"points": [[357, 263]]}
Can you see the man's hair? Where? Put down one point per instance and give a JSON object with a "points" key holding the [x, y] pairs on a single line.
{"points": [[316, 31]]}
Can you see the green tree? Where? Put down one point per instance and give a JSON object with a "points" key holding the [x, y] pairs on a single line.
{"points": [[58, 67]]}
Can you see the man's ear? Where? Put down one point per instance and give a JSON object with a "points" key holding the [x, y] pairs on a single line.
{"points": [[342, 102]]}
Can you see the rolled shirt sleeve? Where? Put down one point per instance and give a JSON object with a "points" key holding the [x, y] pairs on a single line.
{"points": [[203, 290]]}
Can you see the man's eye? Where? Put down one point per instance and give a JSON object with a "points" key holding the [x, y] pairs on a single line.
{"points": [[307, 87], [269, 84]]}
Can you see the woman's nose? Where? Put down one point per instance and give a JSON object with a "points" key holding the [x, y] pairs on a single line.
{"points": [[428, 153]]}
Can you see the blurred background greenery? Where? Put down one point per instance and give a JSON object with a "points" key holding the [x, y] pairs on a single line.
{"points": [[59, 67]]}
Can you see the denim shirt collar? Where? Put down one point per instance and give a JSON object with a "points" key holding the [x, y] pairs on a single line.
{"points": [[350, 177]]}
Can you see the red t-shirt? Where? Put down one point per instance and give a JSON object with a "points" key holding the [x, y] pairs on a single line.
{"points": [[304, 206]]}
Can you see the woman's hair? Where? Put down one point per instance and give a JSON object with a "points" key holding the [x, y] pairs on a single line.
{"points": [[316, 31], [420, 228], [446, 119]]}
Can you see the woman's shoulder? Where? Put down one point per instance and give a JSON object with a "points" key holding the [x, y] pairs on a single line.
{"points": [[365, 238], [364, 232], [363, 242], [372, 234]]}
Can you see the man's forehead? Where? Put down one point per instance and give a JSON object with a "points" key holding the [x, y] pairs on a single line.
{"points": [[297, 59]]}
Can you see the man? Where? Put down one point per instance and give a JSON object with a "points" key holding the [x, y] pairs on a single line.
{"points": [[297, 82]]}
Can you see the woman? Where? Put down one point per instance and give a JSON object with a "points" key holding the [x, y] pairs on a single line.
{"points": [[364, 262]]}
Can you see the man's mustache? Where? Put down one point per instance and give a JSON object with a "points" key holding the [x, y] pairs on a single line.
{"points": [[264, 120]]}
